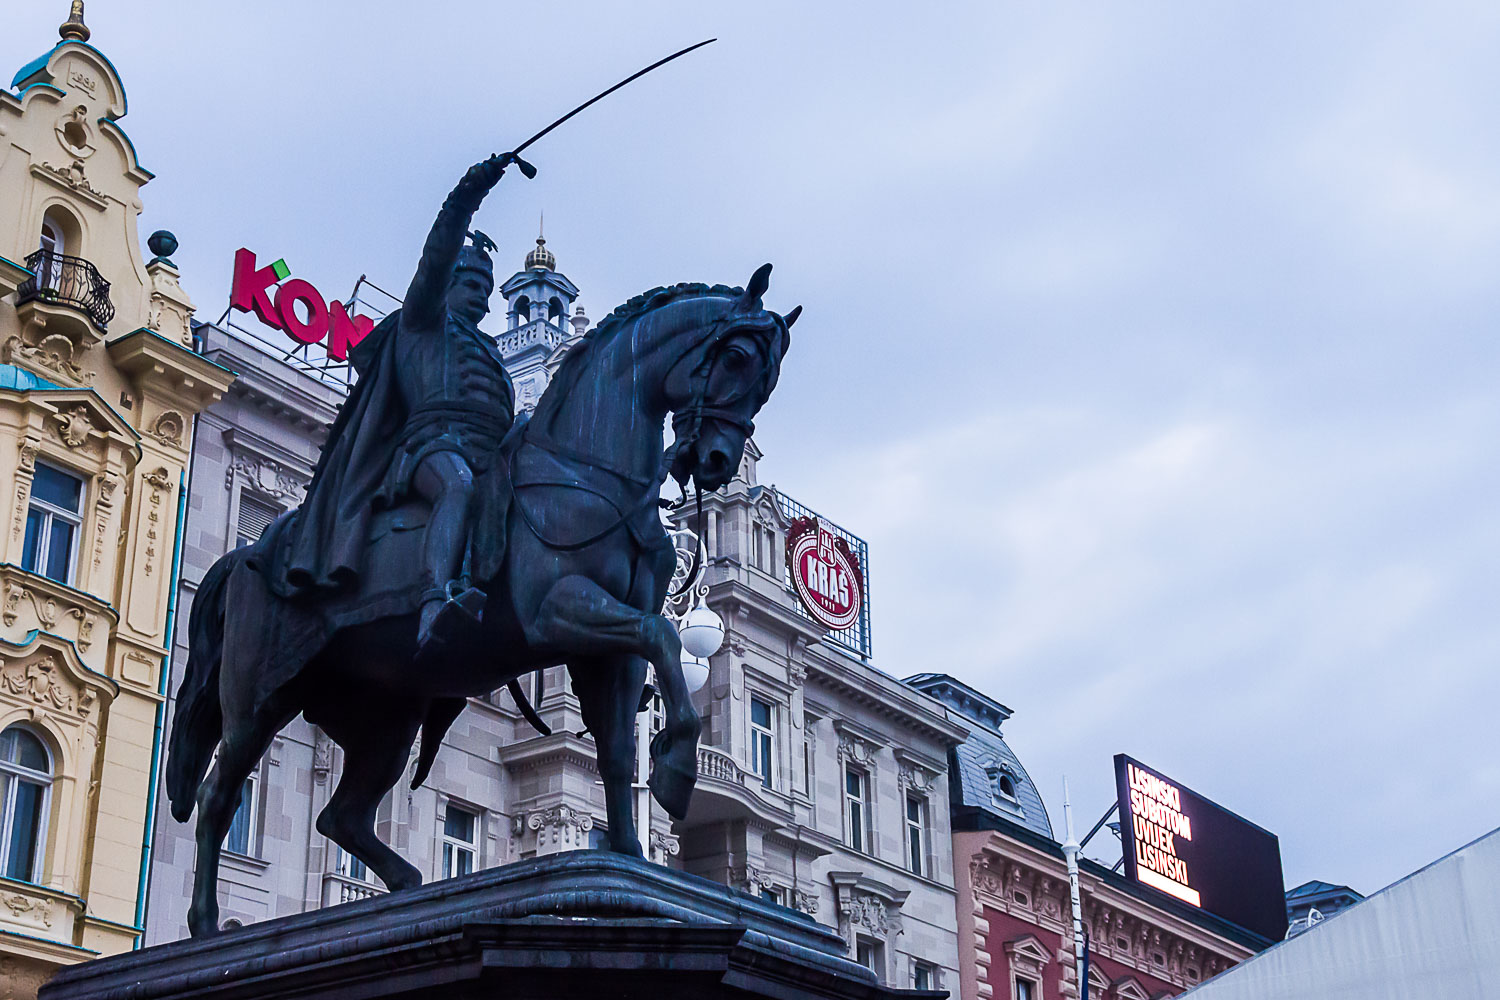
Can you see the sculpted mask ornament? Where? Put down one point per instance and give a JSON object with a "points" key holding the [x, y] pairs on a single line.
{"points": [[74, 426]]}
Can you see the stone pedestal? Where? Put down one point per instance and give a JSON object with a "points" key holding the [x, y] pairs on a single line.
{"points": [[583, 924]]}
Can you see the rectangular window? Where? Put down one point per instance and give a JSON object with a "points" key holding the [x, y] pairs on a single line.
{"points": [[763, 741], [916, 834], [241, 836], [52, 523], [1026, 990], [771, 894], [352, 867], [857, 809], [870, 954], [924, 976], [255, 517], [460, 842]]}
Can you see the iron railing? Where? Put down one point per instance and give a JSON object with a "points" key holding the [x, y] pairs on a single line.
{"points": [[69, 281]]}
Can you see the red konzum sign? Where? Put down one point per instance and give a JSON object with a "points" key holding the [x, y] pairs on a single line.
{"points": [[825, 573], [315, 319]]}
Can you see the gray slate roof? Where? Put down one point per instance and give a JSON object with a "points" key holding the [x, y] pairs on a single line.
{"points": [[977, 765]]}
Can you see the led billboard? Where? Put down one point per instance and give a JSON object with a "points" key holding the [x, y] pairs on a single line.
{"points": [[1193, 849]]}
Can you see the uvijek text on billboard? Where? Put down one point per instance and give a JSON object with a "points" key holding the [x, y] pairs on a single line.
{"points": [[299, 310], [1191, 848]]}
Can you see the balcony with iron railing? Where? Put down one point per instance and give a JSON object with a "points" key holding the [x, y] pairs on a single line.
{"points": [[61, 282]]}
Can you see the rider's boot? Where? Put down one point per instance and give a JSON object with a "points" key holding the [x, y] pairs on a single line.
{"points": [[447, 612]]}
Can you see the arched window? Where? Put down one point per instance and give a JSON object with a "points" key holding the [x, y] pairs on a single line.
{"points": [[555, 312], [53, 246], [522, 310], [1007, 787], [25, 780]]}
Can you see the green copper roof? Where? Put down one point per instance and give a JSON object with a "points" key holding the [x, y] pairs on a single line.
{"points": [[12, 377]]}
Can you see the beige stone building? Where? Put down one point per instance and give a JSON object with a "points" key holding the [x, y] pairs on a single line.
{"points": [[99, 387]]}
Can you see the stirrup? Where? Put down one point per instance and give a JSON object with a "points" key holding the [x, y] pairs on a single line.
{"points": [[462, 609]]}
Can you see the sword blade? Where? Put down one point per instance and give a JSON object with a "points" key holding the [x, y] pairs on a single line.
{"points": [[599, 97]]}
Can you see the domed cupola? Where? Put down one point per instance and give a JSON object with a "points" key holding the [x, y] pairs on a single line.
{"points": [[541, 259], [539, 313]]}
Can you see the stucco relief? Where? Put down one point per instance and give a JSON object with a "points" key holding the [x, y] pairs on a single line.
{"points": [[25, 470], [664, 845], [852, 748], [28, 910], [42, 680], [268, 477], [54, 353], [751, 879], [73, 426], [168, 428], [73, 178], [103, 511], [560, 828]]}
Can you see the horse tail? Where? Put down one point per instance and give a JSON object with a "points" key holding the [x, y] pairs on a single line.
{"points": [[198, 720]]}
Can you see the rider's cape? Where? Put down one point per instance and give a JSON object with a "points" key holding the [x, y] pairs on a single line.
{"points": [[322, 550]]}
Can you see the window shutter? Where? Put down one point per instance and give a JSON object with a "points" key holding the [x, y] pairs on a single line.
{"points": [[255, 517]]}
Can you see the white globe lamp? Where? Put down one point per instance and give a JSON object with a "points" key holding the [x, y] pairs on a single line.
{"points": [[702, 632], [694, 673]]}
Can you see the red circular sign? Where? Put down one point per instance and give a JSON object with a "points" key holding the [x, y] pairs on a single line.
{"points": [[825, 574]]}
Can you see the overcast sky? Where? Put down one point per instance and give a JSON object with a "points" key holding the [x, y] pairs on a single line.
{"points": [[1152, 347]]}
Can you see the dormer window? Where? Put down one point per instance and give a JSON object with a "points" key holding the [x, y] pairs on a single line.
{"points": [[1007, 787]]}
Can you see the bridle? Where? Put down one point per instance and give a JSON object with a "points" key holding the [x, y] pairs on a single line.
{"points": [[687, 428]]}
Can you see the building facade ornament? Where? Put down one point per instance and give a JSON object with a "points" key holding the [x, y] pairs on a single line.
{"points": [[663, 845], [73, 426], [168, 428], [560, 828], [51, 352]]}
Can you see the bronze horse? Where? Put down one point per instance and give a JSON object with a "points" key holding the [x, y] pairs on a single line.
{"points": [[585, 569]]}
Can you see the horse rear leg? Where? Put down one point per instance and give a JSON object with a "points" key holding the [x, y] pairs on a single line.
{"points": [[579, 616], [243, 744], [376, 748], [609, 691]]}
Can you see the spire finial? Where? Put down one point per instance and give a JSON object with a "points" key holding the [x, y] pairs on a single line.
{"points": [[73, 29], [541, 258], [541, 226]]}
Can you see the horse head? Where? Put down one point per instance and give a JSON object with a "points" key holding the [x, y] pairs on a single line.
{"points": [[714, 390]]}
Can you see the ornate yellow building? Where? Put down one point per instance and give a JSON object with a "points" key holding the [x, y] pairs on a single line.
{"points": [[99, 385]]}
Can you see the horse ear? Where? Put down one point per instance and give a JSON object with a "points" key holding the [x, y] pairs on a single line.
{"points": [[791, 317], [759, 282]]}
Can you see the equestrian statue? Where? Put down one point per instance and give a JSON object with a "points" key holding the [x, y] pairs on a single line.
{"points": [[446, 548]]}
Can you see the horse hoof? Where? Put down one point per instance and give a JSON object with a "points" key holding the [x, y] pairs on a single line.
{"points": [[672, 786]]}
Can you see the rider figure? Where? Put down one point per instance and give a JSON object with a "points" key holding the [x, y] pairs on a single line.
{"points": [[425, 419], [458, 396]]}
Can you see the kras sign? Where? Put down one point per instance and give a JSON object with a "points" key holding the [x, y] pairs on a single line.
{"points": [[825, 573]]}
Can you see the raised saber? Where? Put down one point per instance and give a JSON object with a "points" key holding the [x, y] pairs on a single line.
{"points": [[530, 171]]}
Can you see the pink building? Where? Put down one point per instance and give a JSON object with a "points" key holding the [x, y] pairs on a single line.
{"points": [[1014, 915]]}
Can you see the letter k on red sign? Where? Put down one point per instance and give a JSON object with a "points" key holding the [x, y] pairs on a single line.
{"points": [[249, 288]]}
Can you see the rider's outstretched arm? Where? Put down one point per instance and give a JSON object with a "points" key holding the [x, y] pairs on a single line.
{"points": [[423, 306]]}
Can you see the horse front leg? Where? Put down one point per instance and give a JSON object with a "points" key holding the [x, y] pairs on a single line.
{"points": [[609, 691], [579, 616]]}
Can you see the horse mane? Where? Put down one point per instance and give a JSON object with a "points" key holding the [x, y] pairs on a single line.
{"points": [[606, 329]]}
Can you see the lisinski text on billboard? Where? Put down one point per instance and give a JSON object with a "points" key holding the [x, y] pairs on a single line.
{"points": [[1189, 847]]}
